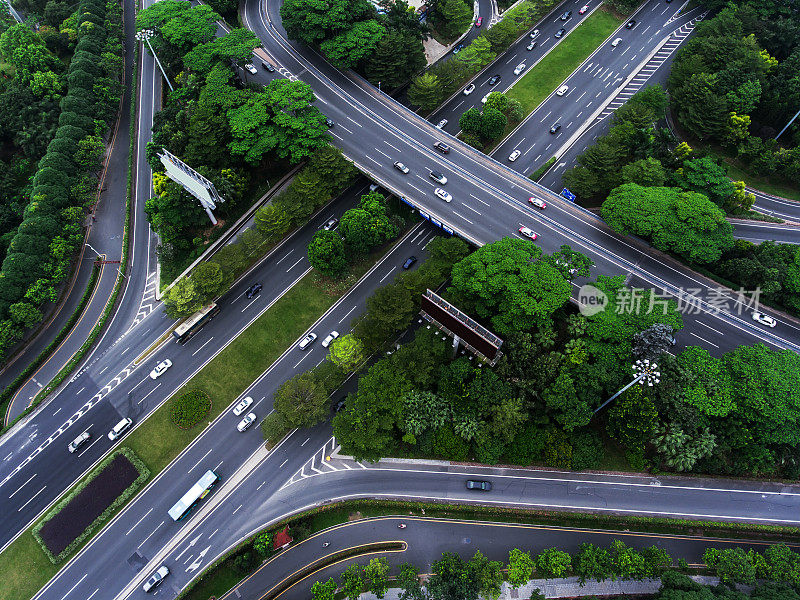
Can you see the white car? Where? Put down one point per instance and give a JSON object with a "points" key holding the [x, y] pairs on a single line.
{"points": [[534, 34], [246, 422], [160, 369], [307, 341], [528, 233], [469, 89], [251, 68], [764, 319], [514, 155], [562, 90], [441, 124], [401, 167], [243, 405], [443, 195], [616, 42], [119, 429], [485, 98], [331, 336], [520, 68], [537, 202], [156, 578]]}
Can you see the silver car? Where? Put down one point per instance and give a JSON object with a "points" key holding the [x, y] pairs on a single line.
{"points": [[156, 578], [440, 193], [246, 422], [160, 369]]}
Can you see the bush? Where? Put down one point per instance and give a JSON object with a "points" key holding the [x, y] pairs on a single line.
{"points": [[557, 450], [274, 427], [188, 410], [537, 174], [449, 445], [244, 562], [587, 450]]}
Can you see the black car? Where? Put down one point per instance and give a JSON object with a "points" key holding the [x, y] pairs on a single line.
{"points": [[331, 224], [494, 80], [566, 15], [329, 122], [268, 66], [555, 128], [560, 32], [483, 486], [254, 289], [442, 147], [409, 262], [630, 24]]}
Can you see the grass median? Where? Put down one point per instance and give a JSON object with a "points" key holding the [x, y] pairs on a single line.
{"points": [[24, 568], [540, 81]]}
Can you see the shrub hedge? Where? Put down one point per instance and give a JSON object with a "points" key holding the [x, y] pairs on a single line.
{"points": [[537, 174], [188, 410], [144, 474]]}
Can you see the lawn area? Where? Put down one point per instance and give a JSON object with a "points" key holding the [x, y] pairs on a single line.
{"points": [[763, 184], [540, 81], [24, 568]]}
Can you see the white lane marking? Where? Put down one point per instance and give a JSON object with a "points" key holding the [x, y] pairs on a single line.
{"points": [[89, 447], [709, 327], [340, 321], [74, 586], [80, 390], [212, 534], [384, 153], [237, 510], [148, 393], [104, 370], [704, 340], [124, 351], [354, 121], [295, 264], [390, 146], [203, 346], [58, 411], [93, 593], [149, 536], [139, 521], [280, 261], [22, 486], [283, 463], [304, 443], [199, 461], [387, 274], [31, 500], [463, 217], [254, 300], [470, 208], [545, 117]]}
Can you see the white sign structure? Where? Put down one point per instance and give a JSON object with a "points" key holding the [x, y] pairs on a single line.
{"points": [[194, 183]]}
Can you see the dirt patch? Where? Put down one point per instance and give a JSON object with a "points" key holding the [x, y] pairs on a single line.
{"points": [[70, 522], [355, 516]]}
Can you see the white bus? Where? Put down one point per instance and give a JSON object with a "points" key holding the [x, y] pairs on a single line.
{"points": [[196, 493], [193, 324]]}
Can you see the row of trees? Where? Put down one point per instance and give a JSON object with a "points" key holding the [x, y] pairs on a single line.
{"points": [[303, 401], [327, 174], [41, 248], [453, 578], [230, 132], [385, 47], [483, 127], [443, 79], [734, 83]]}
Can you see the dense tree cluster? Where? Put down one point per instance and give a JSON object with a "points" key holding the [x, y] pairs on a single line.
{"points": [[446, 77], [482, 127], [735, 83], [385, 45], [44, 203]]}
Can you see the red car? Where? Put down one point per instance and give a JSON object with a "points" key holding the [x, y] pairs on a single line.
{"points": [[583, 9], [479, 22], [528, 233], [537, 202]]}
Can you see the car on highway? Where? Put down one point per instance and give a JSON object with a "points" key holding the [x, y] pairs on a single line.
{"points": [[242, 406], [514, 155], [441, 124], [458, 48], [537, 202], [494, 79], [442, 147], [566, 15], [250, 68], [253, 290], [560, 33], [78, 442], [331, 224], [156, 578], [534, 34], [630, 24], [401, 167], [438, 177], [583, 9], [329, 338], [307, 341], [520, 68], [246, 422], [329, 122], [268, 66], [532, 45], [479, 22], [409, 262], [562, 90], [528, 233], [555, 127], [616, 42], [485, 98], [160, 369], [119, 429], [764, 319], [483, 486], [440, 193], [469, 89]]}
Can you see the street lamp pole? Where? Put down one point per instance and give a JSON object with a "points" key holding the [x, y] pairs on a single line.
{"points": [[646, 372], [145, 35], [93, 250]]}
